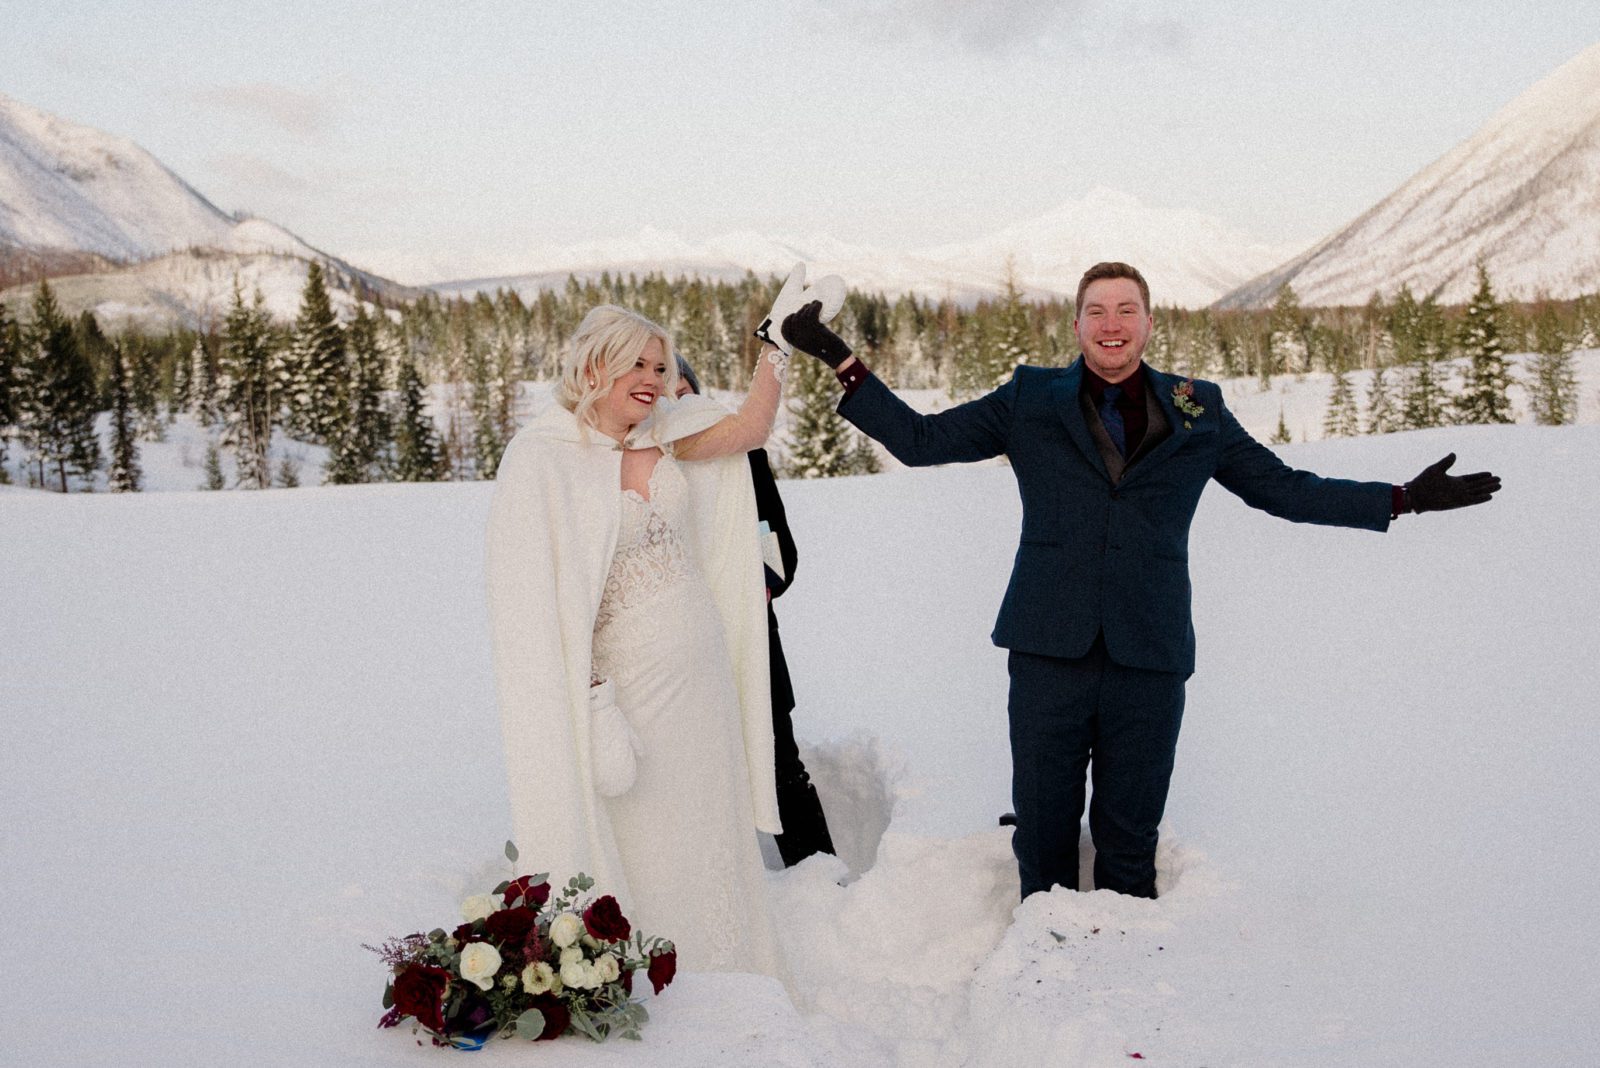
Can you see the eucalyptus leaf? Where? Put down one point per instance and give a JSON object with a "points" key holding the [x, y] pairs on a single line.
{"points": [[511, 851], [388, 995], [504, 885], [436, 935], [530, 1025]]}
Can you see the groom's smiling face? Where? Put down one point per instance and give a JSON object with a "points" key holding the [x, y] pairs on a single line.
{"points": [[1113, 327]]}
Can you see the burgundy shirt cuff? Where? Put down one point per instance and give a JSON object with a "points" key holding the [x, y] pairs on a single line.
{"points": [[852, 376], [1399, 502]]}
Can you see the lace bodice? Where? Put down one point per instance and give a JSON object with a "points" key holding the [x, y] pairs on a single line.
{"points": [[652, 551]]}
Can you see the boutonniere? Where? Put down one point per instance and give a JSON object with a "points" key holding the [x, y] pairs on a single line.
{"points": [[1183, 400]]}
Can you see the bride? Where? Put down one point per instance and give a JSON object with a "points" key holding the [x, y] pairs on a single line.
{"points": [[624, 565]]}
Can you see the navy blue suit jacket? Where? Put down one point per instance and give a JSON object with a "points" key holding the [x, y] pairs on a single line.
{"points": [[1099, 556]]}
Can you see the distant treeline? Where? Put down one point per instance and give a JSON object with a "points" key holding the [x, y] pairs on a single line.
{"points": [[430, 389]]}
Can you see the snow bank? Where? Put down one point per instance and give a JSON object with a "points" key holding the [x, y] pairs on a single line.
{"points": [[247, 732]]}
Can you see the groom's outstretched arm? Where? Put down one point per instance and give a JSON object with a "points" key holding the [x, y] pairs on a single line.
{"points": [[976, 430]]}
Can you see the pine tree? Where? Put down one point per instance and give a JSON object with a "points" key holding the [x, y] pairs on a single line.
{"points": [[249, 400], [1203, 348], [998, 337], [1586, 313], [820, 443], [59, 398], [1381, 415], [181, 396], [313, 369], [214, 477], [1342, 419], [96, 348], [1485, 397], [1161, 350], [1553, 392], [1419, 334], [201, 396], [701, 337], [10, 352], [123, 476], [363, 434], [419, 457], [144, 389], [1281, 436], [492, 396], [1288, 345], [288, 473]]}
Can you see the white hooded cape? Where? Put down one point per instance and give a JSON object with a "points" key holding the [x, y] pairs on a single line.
{"points": [[552, 533]]}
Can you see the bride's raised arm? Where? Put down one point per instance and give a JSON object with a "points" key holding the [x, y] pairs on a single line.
{"points": [[749, 427]]}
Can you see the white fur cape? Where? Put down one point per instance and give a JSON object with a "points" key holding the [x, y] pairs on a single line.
{"points": [[552, 532]]}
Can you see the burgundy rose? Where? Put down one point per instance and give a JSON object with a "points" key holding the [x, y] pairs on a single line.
{"points": [[419, 991], [626, 979], [556, 1016], [605, 920], [511, 926], [467, 932], [663, 966], [523, 888]]}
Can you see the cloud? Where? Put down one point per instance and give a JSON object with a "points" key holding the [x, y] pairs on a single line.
{"points": [[302, 115], [1002, 28], [252, 172]]}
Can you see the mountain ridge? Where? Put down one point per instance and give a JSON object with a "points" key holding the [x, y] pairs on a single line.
{"points": [[1521, 194]]}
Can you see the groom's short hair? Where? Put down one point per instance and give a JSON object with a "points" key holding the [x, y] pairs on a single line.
{"points": [[1112, 269]]}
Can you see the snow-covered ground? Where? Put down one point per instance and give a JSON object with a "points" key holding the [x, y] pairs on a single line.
{"points": [[246, 732]]}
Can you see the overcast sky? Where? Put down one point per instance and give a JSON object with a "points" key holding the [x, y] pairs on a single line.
{"points": [[432, 140]]}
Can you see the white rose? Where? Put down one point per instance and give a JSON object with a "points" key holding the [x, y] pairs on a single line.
{"points": [[479, 962], [570, 954], [607, 968], [576, 974], [478, 907], [538, 977], [566, 929]]}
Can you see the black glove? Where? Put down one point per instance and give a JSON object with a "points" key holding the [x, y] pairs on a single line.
{"points": [[804, 330], [1435, 491]]}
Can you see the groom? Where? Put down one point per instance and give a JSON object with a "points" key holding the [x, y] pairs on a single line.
{"points": [[1110, 457]]}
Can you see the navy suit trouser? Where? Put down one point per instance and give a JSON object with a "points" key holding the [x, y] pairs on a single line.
{"points": [[1090, 714]]}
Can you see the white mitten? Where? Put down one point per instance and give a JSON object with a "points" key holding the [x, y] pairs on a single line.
{"points": [[795, 295], [614, 747]]}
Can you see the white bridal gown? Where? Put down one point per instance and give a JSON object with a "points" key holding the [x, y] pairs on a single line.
{"points": [[686, 830]]}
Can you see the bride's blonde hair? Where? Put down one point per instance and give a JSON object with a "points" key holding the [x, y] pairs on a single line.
{"points": [[605, 347]]}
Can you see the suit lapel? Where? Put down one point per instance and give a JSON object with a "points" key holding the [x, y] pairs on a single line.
{"points": [[1158, 399], [1064, 394]]}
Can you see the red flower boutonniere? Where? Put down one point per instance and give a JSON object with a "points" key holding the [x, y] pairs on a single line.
{"points": [[1183, 400]]}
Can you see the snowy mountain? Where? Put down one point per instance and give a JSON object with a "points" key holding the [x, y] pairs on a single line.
{"points": [[66, 186], [75, 195], [1522, 194], [1190, 259]]}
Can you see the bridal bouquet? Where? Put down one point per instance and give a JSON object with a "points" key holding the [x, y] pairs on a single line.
{"points": [[525, 964]]}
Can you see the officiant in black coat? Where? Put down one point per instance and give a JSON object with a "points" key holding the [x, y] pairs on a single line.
{"points": [[805, 827]]}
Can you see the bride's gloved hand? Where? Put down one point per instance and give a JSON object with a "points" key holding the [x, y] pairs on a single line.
{"points": [[827, 292], [614, 746]]}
